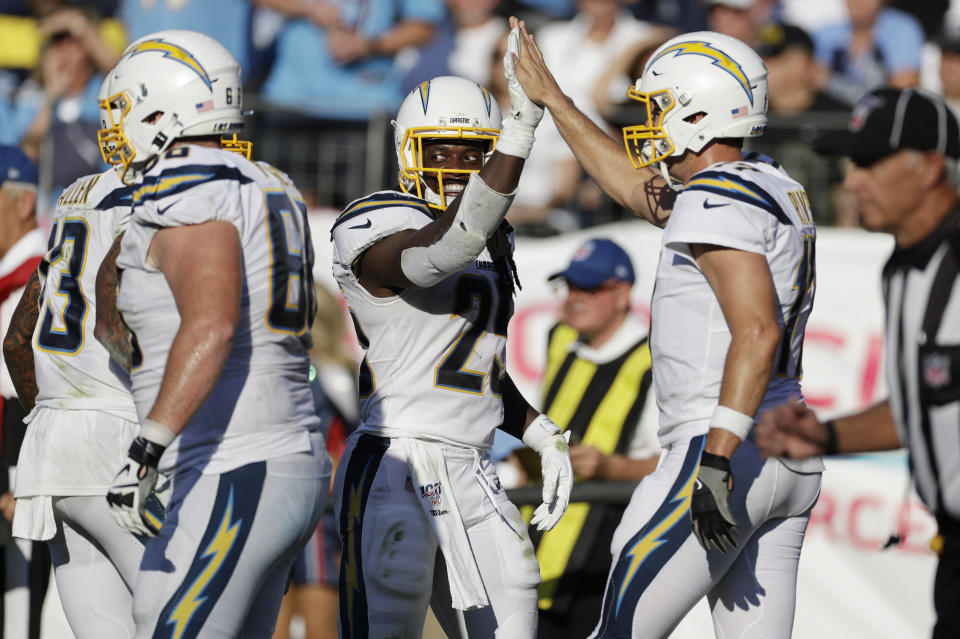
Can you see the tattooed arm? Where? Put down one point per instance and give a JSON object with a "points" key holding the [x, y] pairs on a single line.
{"points": [[110, 329], [17, 346]]}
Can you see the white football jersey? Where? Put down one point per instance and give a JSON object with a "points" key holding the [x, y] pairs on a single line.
{"points": [[74, 371], [262, 405], [751, 206], [434, 357]]}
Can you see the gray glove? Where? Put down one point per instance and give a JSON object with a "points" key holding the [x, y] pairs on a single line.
{"points": [[713, 523]]}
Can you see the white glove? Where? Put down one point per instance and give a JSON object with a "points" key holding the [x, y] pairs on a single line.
{"points": [[134, 504], [516, 132], [544, 436]]}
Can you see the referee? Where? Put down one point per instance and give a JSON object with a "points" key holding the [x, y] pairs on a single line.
{"points": [[904, 147]]}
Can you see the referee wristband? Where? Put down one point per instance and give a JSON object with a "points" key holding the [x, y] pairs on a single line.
{"points": [[731, 420], [156, 432]]}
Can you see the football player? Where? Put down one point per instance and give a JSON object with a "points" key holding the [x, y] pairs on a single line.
{"points": [[427, 272], [734, 288], [217, 293], [82, 416]]}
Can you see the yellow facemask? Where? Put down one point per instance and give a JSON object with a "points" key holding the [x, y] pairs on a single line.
{"points": [[415, 138], [657, 105]]}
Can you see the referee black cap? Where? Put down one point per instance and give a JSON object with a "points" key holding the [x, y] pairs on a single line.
{"points": [[887, 120]]}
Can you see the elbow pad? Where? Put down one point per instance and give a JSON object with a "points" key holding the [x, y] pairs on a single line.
{"points": [[480, 213]]}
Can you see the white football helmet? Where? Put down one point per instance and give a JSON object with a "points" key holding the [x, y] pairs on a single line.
{"points": [[697, 73], [167, 85], [444, 107]]}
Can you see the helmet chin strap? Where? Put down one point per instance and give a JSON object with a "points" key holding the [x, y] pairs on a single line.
{"points": [[676, 186]]}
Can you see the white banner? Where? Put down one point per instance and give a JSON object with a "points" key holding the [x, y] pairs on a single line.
{"points": [[848, 587]]}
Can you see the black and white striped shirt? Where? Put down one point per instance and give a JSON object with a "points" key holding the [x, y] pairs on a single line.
{"points": [[922, 296]]}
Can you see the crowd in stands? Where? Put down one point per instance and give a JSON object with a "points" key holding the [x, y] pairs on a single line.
{"points": [[324, 75]]}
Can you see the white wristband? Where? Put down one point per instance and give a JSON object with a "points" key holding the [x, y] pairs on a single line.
{"points": [[156, 432], [731, 420], [540, 432], [516, 138]]}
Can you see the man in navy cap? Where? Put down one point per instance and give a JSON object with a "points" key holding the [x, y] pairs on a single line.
{"points": [[596, 386], [22, 245]]}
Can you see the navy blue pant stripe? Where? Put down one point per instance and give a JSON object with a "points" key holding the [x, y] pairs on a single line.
{"points": [[361, 471], [630, 578], [231, 519]]}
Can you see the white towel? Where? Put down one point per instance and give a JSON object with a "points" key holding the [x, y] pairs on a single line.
{"points": [[429, 468], [33, 518]]}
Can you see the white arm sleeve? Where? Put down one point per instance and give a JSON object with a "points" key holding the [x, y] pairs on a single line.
{"points": [[480, 213]]}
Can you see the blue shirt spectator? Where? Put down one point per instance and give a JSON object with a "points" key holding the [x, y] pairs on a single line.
{"points": [[881, 48], [346, 70]]}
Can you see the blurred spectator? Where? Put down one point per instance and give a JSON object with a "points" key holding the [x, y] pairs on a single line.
{"points": [[875, 46], [596, 385], [25, 564], [478, 30], [787, 50], [580, 50], [610, 91], [63, 130], [741, 19], [949, 43], [799, 112], [335, 59], [226, 20]]}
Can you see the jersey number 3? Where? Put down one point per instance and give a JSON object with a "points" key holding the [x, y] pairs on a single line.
{"points": [[61, 325]]}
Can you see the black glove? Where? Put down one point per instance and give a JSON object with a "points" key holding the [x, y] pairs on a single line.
{"points": [[710, 507]]}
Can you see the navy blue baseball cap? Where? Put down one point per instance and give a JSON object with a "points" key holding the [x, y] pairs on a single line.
{"points": [[15, 166], [595, 262]]}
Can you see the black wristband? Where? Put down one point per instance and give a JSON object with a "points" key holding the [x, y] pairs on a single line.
{"points": [[715, 461], [143, 451], [830, 448]]}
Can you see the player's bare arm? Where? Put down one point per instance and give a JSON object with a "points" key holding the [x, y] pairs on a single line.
{"points": [[793, 430], [202, 264], [743, 286], [642, 191], [110, 329], [17, 346], [745, 292]]}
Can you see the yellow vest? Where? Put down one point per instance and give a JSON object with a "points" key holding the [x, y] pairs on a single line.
{"points": [[600, 404]]}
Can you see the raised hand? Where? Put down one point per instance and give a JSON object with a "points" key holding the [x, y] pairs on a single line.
{"points": [[531, 71]]}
